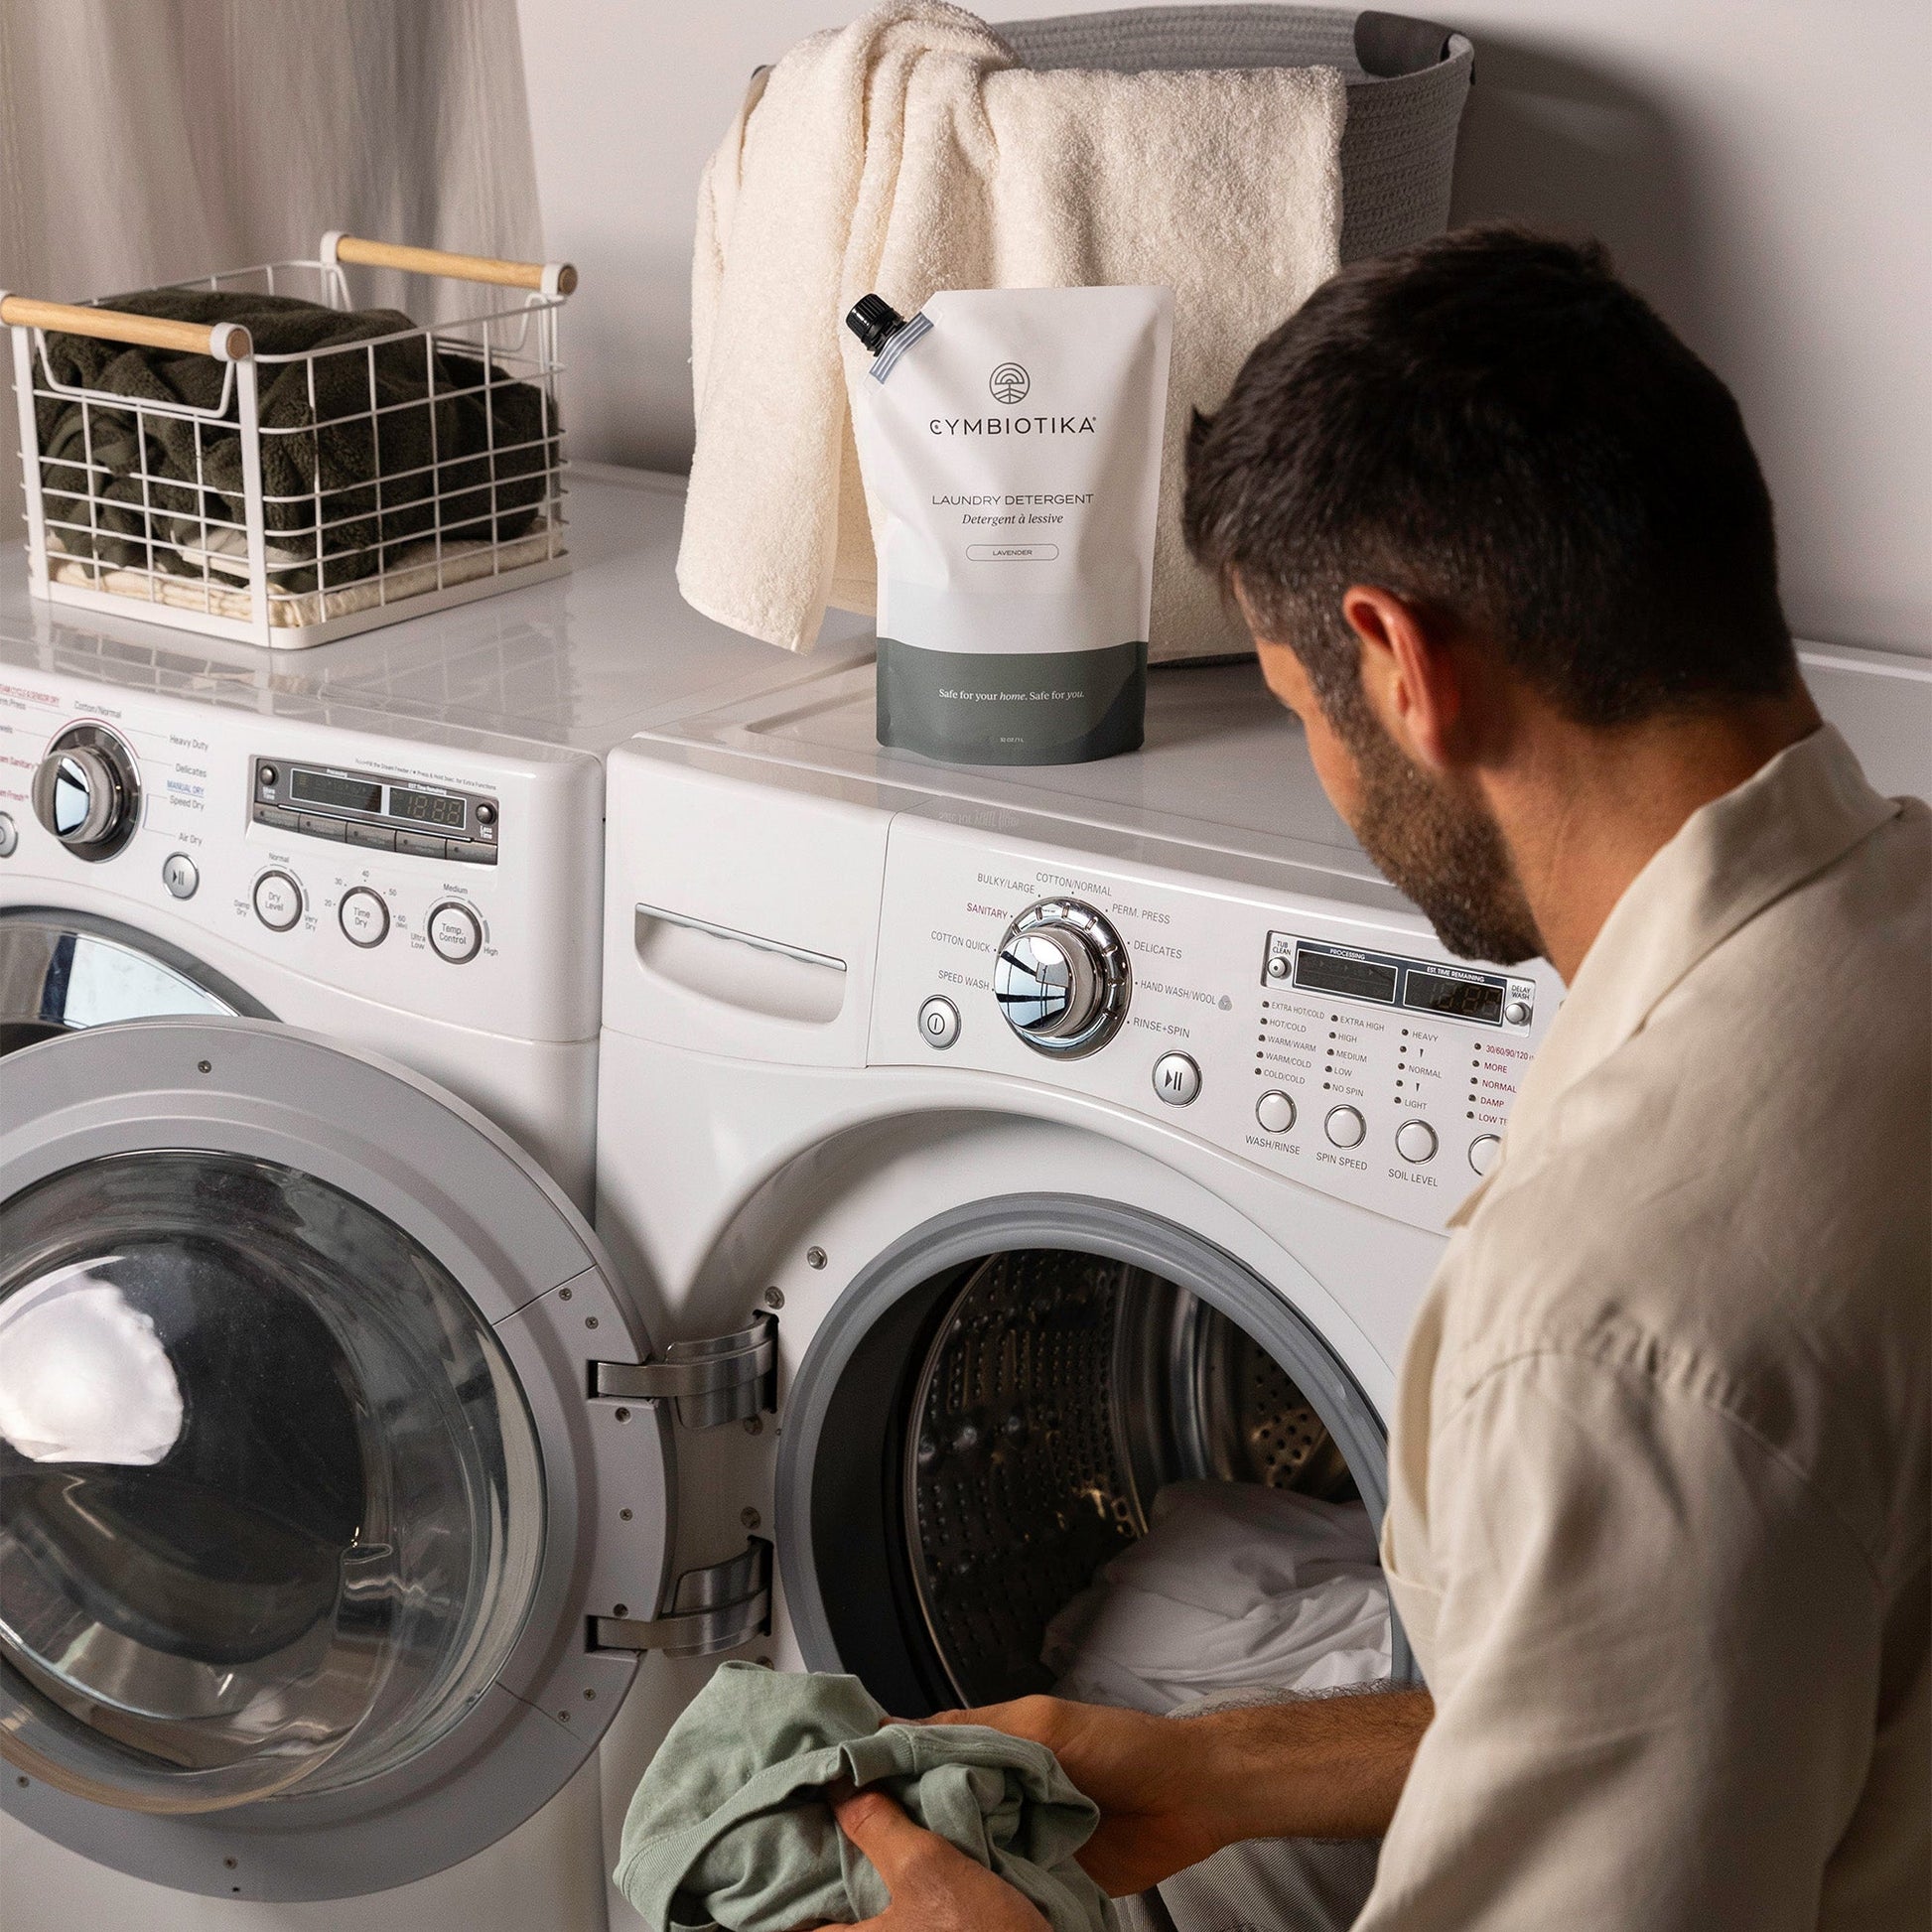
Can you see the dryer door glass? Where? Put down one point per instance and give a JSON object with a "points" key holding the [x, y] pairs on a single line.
{"points": [[272, 1502], [63, 971]]}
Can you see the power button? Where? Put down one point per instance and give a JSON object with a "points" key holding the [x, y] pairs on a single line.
{"points": [[939, 1022]]}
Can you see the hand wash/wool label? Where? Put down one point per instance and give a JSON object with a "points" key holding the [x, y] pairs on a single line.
{"points": [[1010, 443]]}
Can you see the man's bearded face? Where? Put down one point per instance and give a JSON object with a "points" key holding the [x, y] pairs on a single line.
{"points": [[1438, 846]]}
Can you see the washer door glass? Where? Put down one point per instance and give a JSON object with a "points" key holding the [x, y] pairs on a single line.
{"points": [[272, 1502], [63, 971]]}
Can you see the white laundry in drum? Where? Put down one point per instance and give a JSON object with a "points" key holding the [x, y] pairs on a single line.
{"points": [[1235, 1586]]}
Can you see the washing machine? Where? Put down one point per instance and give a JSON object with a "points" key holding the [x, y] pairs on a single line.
{"points": [[330, 1441], [1081, 1130]]}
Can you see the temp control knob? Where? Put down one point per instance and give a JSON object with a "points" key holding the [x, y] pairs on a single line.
{"points": [[454, 932], [86, 793], [1061, 977]]}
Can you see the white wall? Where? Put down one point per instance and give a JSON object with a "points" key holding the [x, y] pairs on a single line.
{"points": [[1761, 172]]}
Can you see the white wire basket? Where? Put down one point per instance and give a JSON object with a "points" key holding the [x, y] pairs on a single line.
{"points": [[179, 472]]}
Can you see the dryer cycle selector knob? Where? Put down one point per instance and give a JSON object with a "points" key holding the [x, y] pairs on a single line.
{"points": [[1061, 977], [86, 793]]}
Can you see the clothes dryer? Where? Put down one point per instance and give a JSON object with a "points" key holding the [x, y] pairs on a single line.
{"points": [[1083, 1128], [322, 1448]]}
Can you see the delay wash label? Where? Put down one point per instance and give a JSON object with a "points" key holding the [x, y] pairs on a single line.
{"points": [[1010, 443]]}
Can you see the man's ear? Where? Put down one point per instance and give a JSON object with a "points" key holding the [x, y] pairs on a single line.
{"points": [[1411, 677]]}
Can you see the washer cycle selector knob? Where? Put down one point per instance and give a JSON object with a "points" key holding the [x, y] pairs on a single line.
{"points": [[1344, 1127], [278, 900], [1061, 977], [1415, 1140], [85, 791], [1274, 1111], [454, 932], [364, 917]]}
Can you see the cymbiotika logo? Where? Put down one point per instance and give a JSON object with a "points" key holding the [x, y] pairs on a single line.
{"points": [[1009, 384]]}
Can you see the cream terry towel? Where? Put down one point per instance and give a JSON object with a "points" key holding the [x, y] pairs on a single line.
{"points": [[908, 153]]}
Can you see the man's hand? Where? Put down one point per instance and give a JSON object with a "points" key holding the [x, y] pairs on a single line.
{"points": [[1156, 1813], [1173, 1792], [934, 1887]]}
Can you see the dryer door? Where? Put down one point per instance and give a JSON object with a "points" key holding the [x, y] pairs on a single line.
{"points": [[61, 971], [319, 1551]]}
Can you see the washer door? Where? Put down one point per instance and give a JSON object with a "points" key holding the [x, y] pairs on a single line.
{"points": [[61, 972], [299, 1472]]}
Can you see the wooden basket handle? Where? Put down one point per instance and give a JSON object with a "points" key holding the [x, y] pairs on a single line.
{"points": [[226, 342], [546, 278]]}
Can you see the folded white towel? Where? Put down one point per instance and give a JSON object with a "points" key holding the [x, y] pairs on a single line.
{"points": [[906, 153]]}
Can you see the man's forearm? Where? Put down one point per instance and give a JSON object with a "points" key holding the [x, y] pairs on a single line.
{"points": [[1316, 1767]]}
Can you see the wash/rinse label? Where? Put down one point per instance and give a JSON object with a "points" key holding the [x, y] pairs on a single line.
{"points": [[1010, 443]]}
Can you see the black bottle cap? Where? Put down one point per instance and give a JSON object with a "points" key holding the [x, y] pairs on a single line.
{"points": [[874, 321]]}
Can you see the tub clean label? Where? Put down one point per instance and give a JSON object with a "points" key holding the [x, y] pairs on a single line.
{"points": [[1011, 455]]}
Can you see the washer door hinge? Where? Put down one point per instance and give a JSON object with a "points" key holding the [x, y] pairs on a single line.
{"points": [[720, 1379], [714, 1608]]}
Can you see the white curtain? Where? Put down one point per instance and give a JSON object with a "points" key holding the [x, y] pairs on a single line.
{"points": [[145, 141]]}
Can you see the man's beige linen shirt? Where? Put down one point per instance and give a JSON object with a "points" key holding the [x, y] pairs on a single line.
{"points": [[1660, 1496]]}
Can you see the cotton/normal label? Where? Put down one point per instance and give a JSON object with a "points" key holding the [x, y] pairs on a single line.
{"points": [[1010, 443]]}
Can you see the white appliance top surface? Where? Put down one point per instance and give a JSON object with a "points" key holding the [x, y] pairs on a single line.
{"points": [[1225, 765], [580, 662]]}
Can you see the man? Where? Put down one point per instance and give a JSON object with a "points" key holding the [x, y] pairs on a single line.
{"points": [[1660, 1503]]}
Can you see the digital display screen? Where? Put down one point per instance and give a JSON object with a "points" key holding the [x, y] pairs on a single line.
{"points": [[1459, 999], [427, 808], [1359, 979], [345, 794]]}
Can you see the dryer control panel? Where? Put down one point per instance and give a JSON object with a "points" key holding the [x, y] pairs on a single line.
{"points": [[1337, 1047]]}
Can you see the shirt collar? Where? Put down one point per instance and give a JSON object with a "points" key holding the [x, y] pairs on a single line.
{"points": [[1727, 861]]}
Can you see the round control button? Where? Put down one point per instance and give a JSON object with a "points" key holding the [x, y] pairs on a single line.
{"points": [[939, 1022], [278, 900], [9, 838], [1278, 967], [267, 776], [454, 932], [1274, 1111], [1517, 1012], [1483, 1152], [179, 875], [364, 917], [1415, 1140], [1344, 1127], [1176, 1079]]}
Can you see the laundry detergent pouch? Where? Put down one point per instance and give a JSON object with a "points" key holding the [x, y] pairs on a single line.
{"points": [[1010, 443]]}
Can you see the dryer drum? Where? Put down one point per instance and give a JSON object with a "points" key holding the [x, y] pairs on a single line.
{"points": [[974, 1435]]}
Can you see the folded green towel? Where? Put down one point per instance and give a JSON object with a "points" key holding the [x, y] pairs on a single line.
{"points": [[730, 1828], [352, 486]]}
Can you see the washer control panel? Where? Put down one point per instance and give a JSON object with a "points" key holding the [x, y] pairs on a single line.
{"points": [[1341, 1048]]}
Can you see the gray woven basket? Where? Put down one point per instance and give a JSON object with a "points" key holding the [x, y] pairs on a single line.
{"points": [[1407, 81]]}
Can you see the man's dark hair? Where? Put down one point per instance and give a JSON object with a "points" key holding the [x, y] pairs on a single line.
{"points": [[1492, 425]]}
